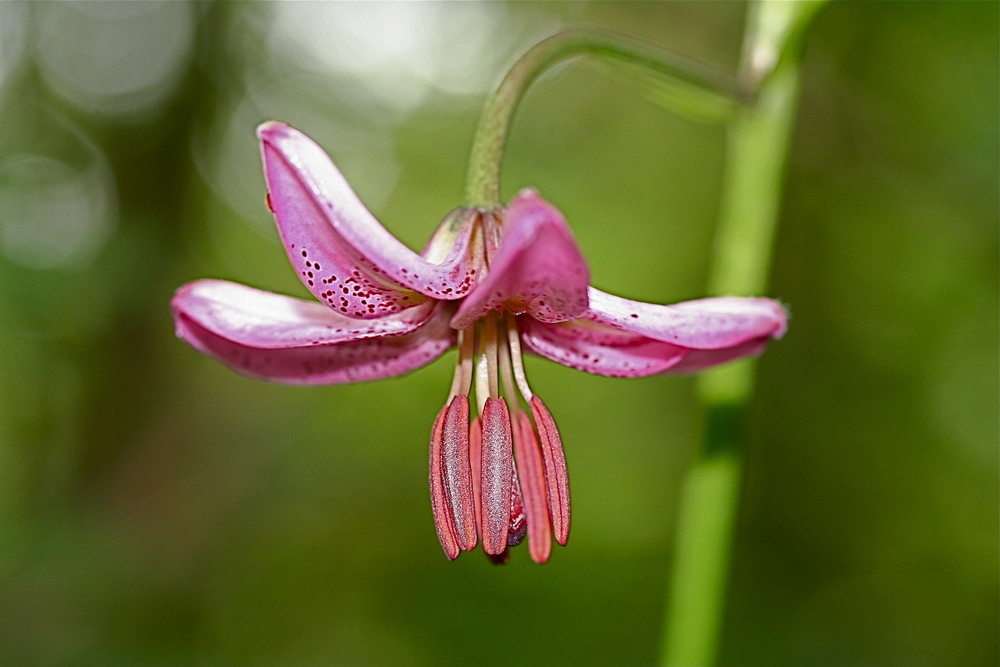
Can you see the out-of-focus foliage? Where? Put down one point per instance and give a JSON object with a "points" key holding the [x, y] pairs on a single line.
{"points": [[157, 509]]}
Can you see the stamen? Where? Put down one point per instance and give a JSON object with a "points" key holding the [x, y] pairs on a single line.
{"points": [[555, 469], [461, 382], [456, 472], [482, 381], [514, 341], [490, 349], [439, 501], [531, 473], [507, 377], [497, 471]]}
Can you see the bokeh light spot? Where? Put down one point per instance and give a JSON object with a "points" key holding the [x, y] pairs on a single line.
{"points": [[125, 58]]}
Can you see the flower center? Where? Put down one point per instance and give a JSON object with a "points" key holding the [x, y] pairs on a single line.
{"points": [[499, 474]]}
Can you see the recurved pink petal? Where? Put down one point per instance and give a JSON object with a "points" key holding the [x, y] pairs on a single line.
{"points": [[698, 360], [597, 349], [339, 250], [281, 339], [538, 268], [703, 324], [623, 338], [261, 319]]}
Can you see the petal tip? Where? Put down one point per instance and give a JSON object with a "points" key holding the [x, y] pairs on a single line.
{"points": [[528, 192], [779, 315], [183, 294], [267, 128], [782, 313]]}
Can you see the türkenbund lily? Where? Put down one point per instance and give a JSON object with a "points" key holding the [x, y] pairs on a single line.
{"points": [[492, 283]]}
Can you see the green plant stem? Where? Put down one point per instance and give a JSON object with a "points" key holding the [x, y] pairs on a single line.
{"points": [[757, 145], [710, 87]]}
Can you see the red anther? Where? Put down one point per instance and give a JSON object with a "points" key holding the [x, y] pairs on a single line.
{"points": [[531, 473], [497, 471], [439, 500], [555, 469], [456, 472]]}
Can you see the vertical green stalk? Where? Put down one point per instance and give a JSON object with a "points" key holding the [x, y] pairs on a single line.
{"points": [[757, 145]]}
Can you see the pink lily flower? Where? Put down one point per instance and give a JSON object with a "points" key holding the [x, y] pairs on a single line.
{"points": [[491, 283]]}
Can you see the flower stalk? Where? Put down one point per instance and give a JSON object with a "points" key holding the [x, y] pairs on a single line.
{"points": [[703, 86], [757, 145]]}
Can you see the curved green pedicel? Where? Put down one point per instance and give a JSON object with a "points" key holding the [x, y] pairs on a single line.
{"points": [[677, 80]]}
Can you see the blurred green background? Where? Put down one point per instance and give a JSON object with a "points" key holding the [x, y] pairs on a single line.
{"points": [[157, 509]]}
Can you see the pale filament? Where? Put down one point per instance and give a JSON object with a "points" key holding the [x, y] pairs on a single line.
{"points": [[461, 383], [506, 373], [482, 382], [490, 350], [514, 341]]}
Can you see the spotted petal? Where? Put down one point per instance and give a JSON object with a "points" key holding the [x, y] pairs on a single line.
{"points": [[624, 338], [282, 339], [343, 255], [537, 269]]}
